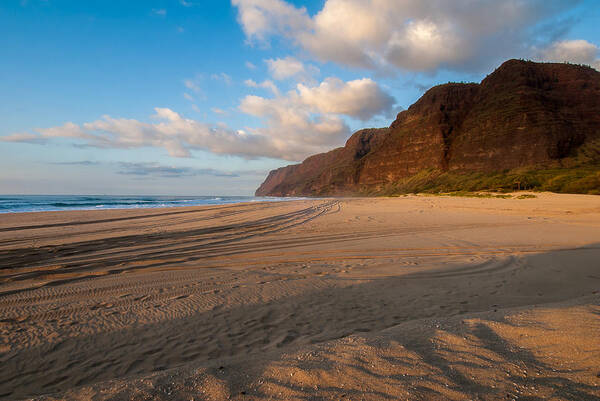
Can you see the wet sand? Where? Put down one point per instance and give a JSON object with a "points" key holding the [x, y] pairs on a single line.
{"points": [[398, 298]]}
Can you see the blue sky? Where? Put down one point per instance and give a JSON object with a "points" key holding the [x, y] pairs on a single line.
{"points": [[205, 97]]}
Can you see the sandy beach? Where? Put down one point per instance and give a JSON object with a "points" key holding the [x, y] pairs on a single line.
{"points": [[415, 297]]}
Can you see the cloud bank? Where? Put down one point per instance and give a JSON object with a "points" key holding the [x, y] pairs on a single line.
{"points": [[290, 67], [317, 109], [162, 171], [574, 51], [172, 132], [304, 121], [408, 35]]}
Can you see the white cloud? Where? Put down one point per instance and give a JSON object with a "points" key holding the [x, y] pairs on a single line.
{"points": [[361, 98], [222, 77], [410, 35], [293, 128], [262, 18], [266, 84], [159, 11], [217, 110], [68, 130], [179, 136], [193, 85], [159, 170], [24, 137], [309, 117], [250, 65], [573, 51], [172, 132], [188, 97], [290, 67]]}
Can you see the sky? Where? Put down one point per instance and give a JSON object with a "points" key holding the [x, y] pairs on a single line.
{"points": [[205, 97]]}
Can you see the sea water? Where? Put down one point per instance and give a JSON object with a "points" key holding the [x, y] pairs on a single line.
{"points": [[41, 203]]}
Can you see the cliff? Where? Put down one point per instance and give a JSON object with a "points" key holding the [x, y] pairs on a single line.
{"points": [[524, 115]]}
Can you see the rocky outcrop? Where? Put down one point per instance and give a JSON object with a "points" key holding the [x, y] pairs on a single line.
{"points": [[523, 114]]}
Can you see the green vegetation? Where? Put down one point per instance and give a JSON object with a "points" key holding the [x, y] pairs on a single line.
{"points": [[573, 179], [466, 194]]}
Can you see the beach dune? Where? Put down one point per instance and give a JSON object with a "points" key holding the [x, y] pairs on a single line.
{"points": [[415, 297]]}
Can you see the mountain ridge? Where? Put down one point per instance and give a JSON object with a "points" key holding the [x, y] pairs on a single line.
{"points": [[523, 116]]}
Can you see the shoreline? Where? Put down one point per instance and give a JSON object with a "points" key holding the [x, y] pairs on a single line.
{"points": [[475, 194], [143, 203]]}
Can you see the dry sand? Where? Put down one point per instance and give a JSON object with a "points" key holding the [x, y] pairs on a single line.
{"points": [[377, 299]]}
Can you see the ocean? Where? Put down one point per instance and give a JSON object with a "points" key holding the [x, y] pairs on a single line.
{"points": [[42, 203]]}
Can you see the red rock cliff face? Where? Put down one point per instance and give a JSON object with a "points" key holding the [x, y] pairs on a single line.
{"points": [[523, 114], [332, 172]]}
